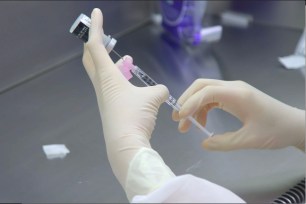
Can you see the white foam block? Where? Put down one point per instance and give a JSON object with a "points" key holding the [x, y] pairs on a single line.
{"points": [[293, 61], [211, 34], [54, 151], [236, 19]]}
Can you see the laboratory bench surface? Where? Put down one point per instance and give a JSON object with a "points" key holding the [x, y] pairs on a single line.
{"points": [[60, 107]]}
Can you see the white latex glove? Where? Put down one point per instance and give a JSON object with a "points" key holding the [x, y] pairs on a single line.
{"points": [[267, 122], [128, 113]]}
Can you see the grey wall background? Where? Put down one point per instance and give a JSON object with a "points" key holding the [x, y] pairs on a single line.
{"points": [[35, 34], [274, 13], [35, 37]]}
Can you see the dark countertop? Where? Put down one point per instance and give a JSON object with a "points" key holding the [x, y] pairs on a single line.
{"points": [[60, 107]]}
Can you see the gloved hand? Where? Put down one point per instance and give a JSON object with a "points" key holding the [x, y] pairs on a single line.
{"points": [[128, 114], [267, 122]]}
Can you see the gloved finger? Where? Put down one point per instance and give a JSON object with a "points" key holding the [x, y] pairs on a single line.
{"points": [[88, 63], [184, 125], [201, 116], [95, 30], [197, 85], [175, 116], [193, 88], [159, 94], [95, 45], [103, 63], [228, 99], [227, 142]]}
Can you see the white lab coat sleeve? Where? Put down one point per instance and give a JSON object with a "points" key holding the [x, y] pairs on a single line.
{"points": [[189, 189]]}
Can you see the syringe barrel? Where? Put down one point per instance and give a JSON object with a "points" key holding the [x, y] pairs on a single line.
{"points": [[80, 28]]}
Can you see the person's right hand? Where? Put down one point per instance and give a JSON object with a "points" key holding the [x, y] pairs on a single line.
{"points": [[267, 122]]}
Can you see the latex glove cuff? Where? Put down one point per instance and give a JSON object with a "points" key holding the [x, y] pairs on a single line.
{"points": [[147, 172]]}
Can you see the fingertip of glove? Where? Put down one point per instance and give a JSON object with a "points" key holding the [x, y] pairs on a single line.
{"points": [[183, 113], [162, 88], [184, 125], [209, 144], [95, 11], [175, 116]]}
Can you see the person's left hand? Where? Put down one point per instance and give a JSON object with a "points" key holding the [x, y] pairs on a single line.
{"points": [[128, 112]]}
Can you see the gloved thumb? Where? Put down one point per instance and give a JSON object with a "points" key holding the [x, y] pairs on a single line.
{"points": [[225, 142], [104, 66], [158, 94], [95, 46]]}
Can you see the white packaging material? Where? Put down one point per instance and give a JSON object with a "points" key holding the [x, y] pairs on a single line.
{"points": [[211, 34], [56, 151], [296, 60], [300, 48], [236, 19], [157, 18], [292, 61]]}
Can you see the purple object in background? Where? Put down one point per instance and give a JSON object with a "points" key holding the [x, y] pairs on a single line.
{"points": [[183, 19]]}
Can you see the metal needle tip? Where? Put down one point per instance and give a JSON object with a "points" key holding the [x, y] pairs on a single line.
{"points": [[118, 55]]}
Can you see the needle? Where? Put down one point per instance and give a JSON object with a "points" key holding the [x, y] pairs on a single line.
{"points": [[118, 55], [171, 102]]}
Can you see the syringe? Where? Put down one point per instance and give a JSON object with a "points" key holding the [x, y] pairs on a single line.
{"points": [[147, 80], [80, 28]]}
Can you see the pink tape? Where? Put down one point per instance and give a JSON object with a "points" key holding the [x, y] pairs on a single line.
{"points": [[126, 67]]}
